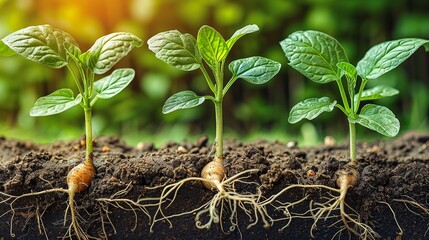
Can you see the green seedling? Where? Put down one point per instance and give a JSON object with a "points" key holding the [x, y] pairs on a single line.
{"points": [[57, 49], [322, 59], [209, 51]]}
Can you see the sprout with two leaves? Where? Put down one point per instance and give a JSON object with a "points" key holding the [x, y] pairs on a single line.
{"points": [[209, 52], [56, 49]]}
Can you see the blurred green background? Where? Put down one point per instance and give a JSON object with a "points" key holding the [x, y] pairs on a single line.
{"points": [[250, 111]]}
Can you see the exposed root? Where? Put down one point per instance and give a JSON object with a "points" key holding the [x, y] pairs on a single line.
{"points": [[226, 201], [415, 204], [401, 232], [330, 207], [39, 217], [411, 202], [74, 228], [77, 229], [117, 200], [285, 208]]}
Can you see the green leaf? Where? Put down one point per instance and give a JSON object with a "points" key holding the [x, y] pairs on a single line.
{"points": [[84, 57], [212, 46], [72, 50], [314, 54], [113, 84], [256, 70], [54, 103], [109, 49], [379, 119], [177, 49], [240, 33], [348, 70], [42, 44], [387, 56], [310, 109], [5, 51], [377, 93], [182, 100]]}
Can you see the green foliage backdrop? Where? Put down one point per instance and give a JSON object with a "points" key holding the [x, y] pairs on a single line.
{"points": [[250, 111]]}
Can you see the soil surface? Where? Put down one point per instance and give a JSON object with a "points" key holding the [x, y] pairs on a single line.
{"points": [[389, 170]]}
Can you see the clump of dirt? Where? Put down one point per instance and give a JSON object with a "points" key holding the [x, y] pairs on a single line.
{"points": [[389, 171]]}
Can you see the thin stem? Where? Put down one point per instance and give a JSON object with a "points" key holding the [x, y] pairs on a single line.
{"points": [[211, 98], [87, 79], [362, 86], [228, 85], [341, 108], [352, 130], [90, 78], [79, 86], [82, 75], [343, 95], [218, 111], [84, 81], [94, 100], [88, 128], [351, 89], [219, 130], [208, 78]]}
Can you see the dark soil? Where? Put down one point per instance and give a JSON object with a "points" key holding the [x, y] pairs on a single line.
{"points": [[395, 169]]}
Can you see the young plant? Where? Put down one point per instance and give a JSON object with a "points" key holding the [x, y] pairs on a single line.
{"points": [[209, 52], [322, 59], [56, 49]]}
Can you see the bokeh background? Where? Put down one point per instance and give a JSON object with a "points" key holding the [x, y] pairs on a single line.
{"points": [[250, 111]]}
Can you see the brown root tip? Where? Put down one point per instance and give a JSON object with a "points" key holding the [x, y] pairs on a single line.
{"points": [[213, 171], [80, 177], [349, 175]]}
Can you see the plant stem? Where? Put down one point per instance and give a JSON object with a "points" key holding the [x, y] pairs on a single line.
{"points": [[218, 112], [228, 85], [79, 86], [352, 130], [343, 95], [362, 86], [88, 137], [208, 79], [219, 130]]}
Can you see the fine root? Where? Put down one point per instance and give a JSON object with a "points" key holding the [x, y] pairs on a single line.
{"points": [[413, 203], [400, 233], [74, 229], [328, 207], [117, 200], [222, 208]]}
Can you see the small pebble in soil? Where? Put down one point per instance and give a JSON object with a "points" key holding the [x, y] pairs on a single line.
{"points": [[144, 146], [311, 173], [105, 148], [194, 150], [373, 149], [182, 149], [292, 144], [330, 141]]}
